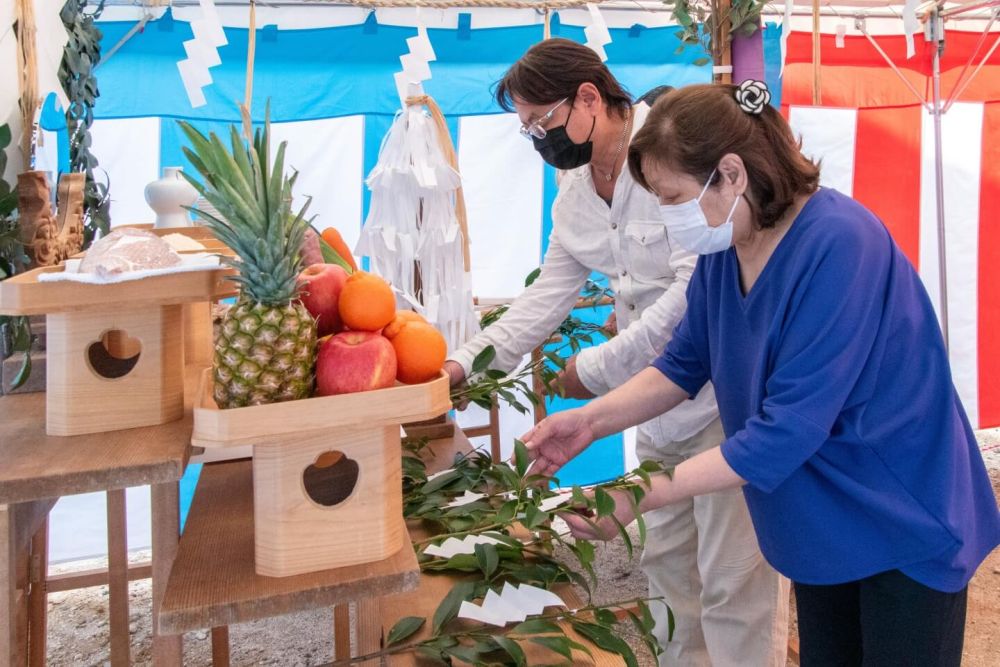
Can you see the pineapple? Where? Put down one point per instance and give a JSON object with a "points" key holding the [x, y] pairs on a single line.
{"points": [[265, 348]]}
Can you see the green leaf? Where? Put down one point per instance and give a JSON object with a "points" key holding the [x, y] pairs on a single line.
{"points": [[404, 627], [521, 460], [671, 624], [448, 608], [513, 649], [605, 503], [699, 62], [535, 517], [605, 617], [23, 373], [484, 359], [603, 638], [5, 136], [536, 626], [531, 277], [488, 559], [651, 466], [560, 645]]}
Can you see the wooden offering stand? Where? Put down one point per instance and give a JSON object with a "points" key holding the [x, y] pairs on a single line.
{"points": [[115, 352], [327, 471]]}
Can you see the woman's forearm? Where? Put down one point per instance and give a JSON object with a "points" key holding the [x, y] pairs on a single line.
{"points": [[647, 395], [707, 472]]}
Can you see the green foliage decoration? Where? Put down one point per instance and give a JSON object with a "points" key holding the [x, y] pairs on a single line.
{"points": [[15, 332], [700, 22], [76, 73]]}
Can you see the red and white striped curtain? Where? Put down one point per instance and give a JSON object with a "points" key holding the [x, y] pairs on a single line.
{"points": [[876, 143]]}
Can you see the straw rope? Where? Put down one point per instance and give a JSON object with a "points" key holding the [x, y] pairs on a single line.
{"points": [[448, 148], [27, 65], [455, 4]]}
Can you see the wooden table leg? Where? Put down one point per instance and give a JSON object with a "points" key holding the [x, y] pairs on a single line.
{"points": [[220, 646], [9, 645], [38, 597], [369, 624], [342, 631], [118, 578], [167, 649]]}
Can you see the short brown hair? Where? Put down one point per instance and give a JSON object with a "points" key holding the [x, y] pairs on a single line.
{"points": [[692, 128], [553, 70]]}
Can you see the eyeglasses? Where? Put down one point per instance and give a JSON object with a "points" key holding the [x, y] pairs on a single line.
{"points": [[535, 129]]}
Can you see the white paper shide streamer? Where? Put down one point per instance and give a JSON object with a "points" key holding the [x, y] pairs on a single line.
{"points": [[202, 53], [412, 234], [513, 605], [597, 33]]}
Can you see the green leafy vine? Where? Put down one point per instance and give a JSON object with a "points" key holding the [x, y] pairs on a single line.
{"points": [[76, 73], [15, 332]]}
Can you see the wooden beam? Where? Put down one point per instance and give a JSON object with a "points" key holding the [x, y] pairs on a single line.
{"points": [[71, 581], [724, 45]]}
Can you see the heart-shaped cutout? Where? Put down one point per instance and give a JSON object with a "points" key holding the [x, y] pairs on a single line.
{"points": [[331, 478], [114, 355]]}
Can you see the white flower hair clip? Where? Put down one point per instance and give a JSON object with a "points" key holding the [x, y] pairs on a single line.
{"points": [[753, 96]]}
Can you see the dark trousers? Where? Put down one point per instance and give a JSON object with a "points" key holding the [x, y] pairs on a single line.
{"points": [[887, 620]]}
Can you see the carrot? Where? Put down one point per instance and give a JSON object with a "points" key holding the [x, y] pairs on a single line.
{"points": [[337, 244]]}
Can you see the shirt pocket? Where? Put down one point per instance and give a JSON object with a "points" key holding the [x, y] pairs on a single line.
{"points": [[648, 250]]}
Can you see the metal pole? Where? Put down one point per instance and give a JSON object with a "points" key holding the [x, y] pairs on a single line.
{"points": [[937, 36]]}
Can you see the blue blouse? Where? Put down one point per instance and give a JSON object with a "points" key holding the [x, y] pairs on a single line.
{"points": [[838, 405]]}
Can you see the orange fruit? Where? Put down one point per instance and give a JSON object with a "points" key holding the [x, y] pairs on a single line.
{"points": [[366, 302], [420, 352], [402, 317]]}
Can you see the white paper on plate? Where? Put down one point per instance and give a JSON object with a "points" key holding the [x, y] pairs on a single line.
{"points": [[454, 546], [71, 271], [512, 605]]}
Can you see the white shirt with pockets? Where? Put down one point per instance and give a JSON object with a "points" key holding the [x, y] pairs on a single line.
{"points": [[647, 271]]}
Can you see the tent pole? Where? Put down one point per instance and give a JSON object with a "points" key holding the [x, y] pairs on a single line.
{"points": [[816, 55], [937, 36]]}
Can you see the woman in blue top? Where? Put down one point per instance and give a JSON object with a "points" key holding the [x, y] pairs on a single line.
{"points": [[860, 469]]}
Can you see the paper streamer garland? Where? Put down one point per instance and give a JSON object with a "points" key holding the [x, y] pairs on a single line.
{"points": [[202, 53]]}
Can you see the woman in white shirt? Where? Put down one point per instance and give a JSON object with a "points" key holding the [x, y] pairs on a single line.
{"points": [[729, 605]]}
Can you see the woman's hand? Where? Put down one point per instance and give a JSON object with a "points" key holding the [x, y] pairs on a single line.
{"points": [[557, 439], [569, 384], [456, 377], [603, 528]]}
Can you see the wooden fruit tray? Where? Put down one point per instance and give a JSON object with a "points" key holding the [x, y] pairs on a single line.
{"points": [[266, 423], [327, 471]]}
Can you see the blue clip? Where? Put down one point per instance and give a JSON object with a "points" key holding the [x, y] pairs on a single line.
{"points": [[166, 22], [371, 24], [269, 33], [636, 30], [465, 26], [555, 23]]}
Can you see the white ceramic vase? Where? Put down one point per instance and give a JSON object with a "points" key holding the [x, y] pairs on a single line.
{"points": [[168, 196]]}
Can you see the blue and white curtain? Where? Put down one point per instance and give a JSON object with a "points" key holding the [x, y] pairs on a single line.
{"points": [[331, 95]]}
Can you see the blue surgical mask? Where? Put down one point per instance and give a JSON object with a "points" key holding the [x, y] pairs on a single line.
{"points": [[688, 225]]}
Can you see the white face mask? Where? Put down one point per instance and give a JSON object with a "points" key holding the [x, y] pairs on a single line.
{"points": [[687, 223]]}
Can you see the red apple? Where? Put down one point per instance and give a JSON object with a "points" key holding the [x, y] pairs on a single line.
{"points": [[354, 361], [320, 294]]}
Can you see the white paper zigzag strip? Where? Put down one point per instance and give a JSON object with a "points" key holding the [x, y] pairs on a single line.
{"points": [[512, 605], [597, 33], [454, 546], [416, 64], [202, 53]]}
